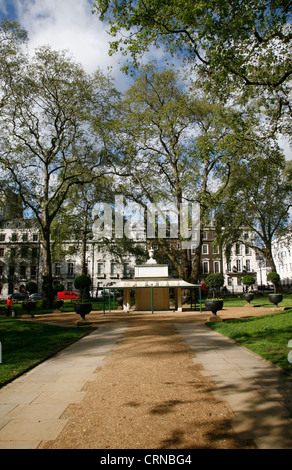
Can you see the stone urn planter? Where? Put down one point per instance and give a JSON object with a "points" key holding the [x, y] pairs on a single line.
{"points": [[29, 307], [83, 309], [275, 299], [248, 297], [214, 305]]}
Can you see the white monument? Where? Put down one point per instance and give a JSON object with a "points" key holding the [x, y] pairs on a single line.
{"points": [[151, 284]]}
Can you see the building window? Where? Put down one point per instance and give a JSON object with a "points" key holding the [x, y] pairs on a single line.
{"points": [[35, 237], [70, 269], [229, 267], [1, 252], [57, 269], [247, 250], [69, 285], [23, 271], [113, 269], [216, 249], [205, 267], [11, 270], [229, 281], [100, 269], [14, 237], [238, 249], [2, 237], [33, 272], [204, 235], [238, 265], [194, 247], [24, 237], [216, 267], [127, 271], [205, 249], [247, 265]]}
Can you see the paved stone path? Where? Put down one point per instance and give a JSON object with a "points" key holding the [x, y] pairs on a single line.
{"points": [[185, 368], [257, 392], [31, 407]]}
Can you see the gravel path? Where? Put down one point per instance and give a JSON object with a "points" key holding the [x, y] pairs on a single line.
{"points": [[149, 394]]}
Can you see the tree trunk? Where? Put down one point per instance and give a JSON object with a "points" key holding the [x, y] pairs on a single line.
{"points": [[47, 278]]}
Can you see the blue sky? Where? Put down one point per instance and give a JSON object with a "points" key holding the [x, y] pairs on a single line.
{"points": [[69, 24], [66, 24]]}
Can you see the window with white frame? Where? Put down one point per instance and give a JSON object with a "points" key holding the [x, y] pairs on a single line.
{"points": [[216, 267], [57, 269], [247, 250], [70, 269], [100, 269], [127, 270], [205, 267], [205, 249], [238, 249], [238, 265], [113, 269], [229, 267], [247, 264], [215, 249]]}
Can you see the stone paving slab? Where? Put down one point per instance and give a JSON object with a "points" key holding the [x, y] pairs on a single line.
{"points": [[257, 391], [31, 407]]}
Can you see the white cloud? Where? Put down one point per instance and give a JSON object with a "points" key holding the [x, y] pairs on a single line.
{"points": [[67, 24]]}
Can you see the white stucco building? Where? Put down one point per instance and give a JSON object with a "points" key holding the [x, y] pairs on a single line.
{"points": [[282, 253]]}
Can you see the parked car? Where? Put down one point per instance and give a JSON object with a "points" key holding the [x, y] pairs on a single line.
{"points": [[19, 296], [67, 295], [35, 296], [106, 294]]}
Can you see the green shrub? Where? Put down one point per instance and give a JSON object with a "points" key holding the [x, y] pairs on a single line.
{"points": [[275, 279], [58, 287], [31, 287], [82, 283], [214, 281], [248, 280]]}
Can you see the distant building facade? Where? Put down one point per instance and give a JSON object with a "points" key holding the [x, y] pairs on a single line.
{"points": [[20, 259]]}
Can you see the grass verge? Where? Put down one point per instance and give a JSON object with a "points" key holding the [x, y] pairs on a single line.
{"points": [[266, 335], [26, 344]]}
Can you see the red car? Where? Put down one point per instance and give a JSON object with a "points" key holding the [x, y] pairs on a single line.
{"points": [[69, 295]]}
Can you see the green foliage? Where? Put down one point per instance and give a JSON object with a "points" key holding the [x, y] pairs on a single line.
{"points": [[248, 280], [214, 33], [275, 279], [58, 287], [31, 287], [82, 283], [214, 281]]}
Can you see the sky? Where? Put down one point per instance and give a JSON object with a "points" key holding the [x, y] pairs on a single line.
{"points": [[67, 24], [70, 24]]}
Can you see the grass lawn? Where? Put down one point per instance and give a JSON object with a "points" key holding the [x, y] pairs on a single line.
{"points": [[68, 306], [260, 301], [266, 335], [25, 344]]}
